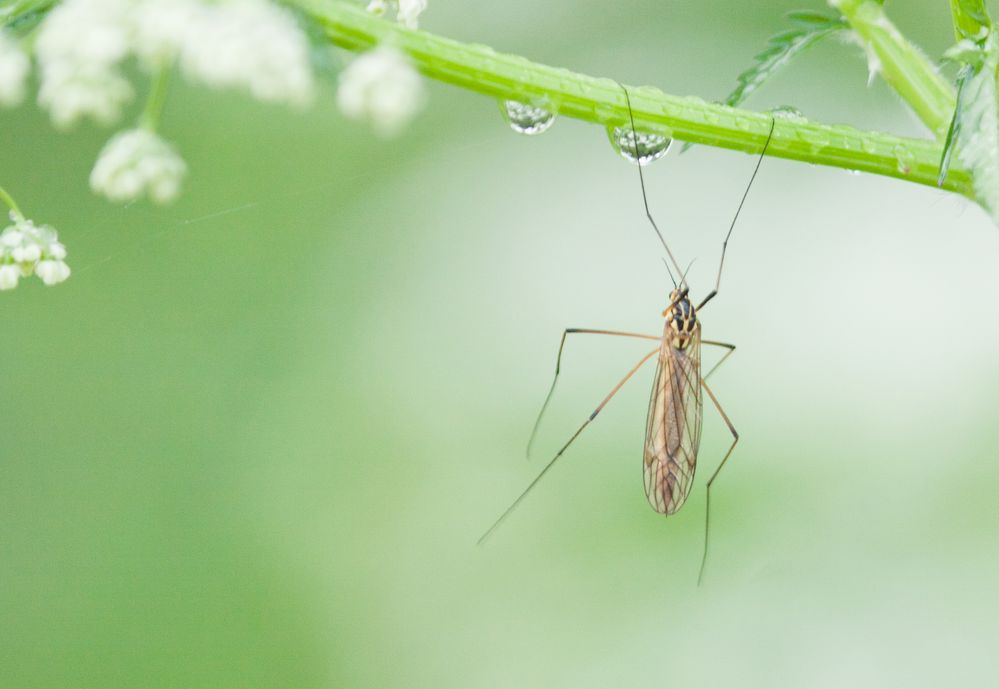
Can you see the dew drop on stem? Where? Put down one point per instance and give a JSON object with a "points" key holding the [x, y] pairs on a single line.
{"points": [[524, 118], [648, 146], [787, 112]]}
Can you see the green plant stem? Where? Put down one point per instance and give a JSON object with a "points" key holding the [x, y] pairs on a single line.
{"points": [[10, 203], [150, 118], [904, 67], [481, 69]]}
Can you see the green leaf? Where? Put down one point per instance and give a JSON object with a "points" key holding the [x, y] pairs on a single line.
{"points": [[954, 131], [977, 141], [809, 28], [809, 17], [974, 51], [23, 14], [971, 19], [965, 52]]}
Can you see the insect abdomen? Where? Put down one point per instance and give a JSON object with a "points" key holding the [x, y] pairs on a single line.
{"points": [[674, 428]]}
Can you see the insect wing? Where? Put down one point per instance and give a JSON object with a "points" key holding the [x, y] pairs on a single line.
{"points": [[673, 428]]}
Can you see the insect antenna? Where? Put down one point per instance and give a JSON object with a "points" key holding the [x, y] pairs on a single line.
{"points": [[721, 263], [641, 179], [683, 278], [670, 272]]}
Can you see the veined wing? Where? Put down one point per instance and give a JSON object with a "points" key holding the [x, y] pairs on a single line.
{"points": [[673, 428]]}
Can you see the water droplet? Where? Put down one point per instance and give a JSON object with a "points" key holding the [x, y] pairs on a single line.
{"points": [[855, 173], [526, 119], [905, 159], [869, 145], [649, 146], [787, 112]]}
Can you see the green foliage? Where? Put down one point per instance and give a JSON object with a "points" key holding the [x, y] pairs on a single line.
{"points": [[23, 14], [955, 123], [976, 127], [901, 64], [971, 26], [781, 48], [971, 19], [809, 28], [966, 52]]}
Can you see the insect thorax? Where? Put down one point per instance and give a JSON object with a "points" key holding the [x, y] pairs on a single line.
{"points": [[681, 320]]}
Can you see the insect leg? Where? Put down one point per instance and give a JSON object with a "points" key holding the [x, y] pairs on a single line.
{"points": [[721, 264], [641, 181], [707, 506], [729, 347], [558, 365], [610, 395]]}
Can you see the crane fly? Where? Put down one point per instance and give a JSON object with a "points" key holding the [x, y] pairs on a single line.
{"points": [[673, 425]]}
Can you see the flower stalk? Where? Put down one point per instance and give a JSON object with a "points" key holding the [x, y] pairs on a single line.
{"points": [[10, 203], [150, 118]]}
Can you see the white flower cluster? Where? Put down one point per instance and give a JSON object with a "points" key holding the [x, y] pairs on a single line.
{"points": [[14, 68], [137, 162], [26, 248], [248, 44], [80, 47], [407, 12], [383, 88]]}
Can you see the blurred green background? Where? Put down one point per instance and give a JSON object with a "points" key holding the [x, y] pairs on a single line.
{"points": [[252, 441]]}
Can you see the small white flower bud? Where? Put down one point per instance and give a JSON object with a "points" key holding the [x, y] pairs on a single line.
{"points": [[9, 275], [11, 237], [27, 253], [409, 12], [52, 272], [134, 162], [381, 87], [377, 7], [57, 251]]}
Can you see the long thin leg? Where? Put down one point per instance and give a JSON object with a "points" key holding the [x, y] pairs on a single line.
{"points": [[729, 347], [558, 366], [641, 181], [707, 506], [610, 395], [721, 263]]}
